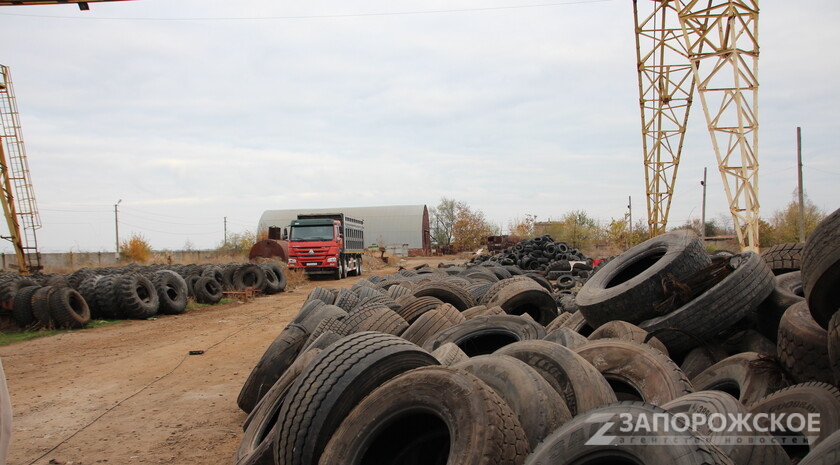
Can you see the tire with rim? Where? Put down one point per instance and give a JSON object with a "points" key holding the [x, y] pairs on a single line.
{"points": [[431, 415], [636, 371], [596, 438], [333, 384], [629, 286], [821, 269]]}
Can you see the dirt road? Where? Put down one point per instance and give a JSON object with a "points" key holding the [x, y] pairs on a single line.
{"points": [[130, 393]]}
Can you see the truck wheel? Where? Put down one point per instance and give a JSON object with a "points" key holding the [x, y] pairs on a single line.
{"points": [[337, 274], [359, 266]]}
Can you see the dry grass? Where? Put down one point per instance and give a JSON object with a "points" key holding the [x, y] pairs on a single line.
{"points": [[295, 278]]}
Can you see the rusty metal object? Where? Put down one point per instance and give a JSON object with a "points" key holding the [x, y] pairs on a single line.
{"points": [[269, 248]]}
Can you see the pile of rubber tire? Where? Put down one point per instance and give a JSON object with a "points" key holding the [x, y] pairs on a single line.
{"points": [[435, 366], [129, 292], [540, 253]]}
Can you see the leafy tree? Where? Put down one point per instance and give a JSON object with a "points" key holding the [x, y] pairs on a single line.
{"points": [[136, 249], [470, 229], [522, 227], [575, 227], [238, 243], [784, 224], [442, 220]]}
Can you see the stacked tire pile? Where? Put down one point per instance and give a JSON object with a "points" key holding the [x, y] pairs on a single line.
{"points": [[540, 253], [478, 365], [130, 292]]}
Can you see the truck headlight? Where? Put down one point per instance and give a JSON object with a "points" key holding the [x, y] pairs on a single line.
{"points": [[331, 259], [292, 260]]}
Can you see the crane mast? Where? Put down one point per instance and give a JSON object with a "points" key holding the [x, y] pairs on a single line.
{"points": [[17, 195], [718, 39]]}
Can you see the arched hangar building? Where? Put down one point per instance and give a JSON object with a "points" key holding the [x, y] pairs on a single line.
{"points": [[402, 229]]}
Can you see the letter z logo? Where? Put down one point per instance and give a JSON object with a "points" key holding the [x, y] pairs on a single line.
{"points": [[600, 438]]}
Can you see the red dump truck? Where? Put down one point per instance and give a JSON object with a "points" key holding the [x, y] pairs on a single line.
{"points": [[326, 244]]}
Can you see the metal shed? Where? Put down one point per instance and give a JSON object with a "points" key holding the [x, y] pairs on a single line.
{"points": [[402, 229]]}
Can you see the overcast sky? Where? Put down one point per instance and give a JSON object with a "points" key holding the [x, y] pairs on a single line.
{"points": [[197, 110]]}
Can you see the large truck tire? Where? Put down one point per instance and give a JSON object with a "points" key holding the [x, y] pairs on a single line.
{"points": [[636, 371], [332, 385], [629, 286], [595, 438], [539, 407], [582, 386], [821, 269], [273, 363], [802, 346], [431, 415], [485, 334], [748, 377]]}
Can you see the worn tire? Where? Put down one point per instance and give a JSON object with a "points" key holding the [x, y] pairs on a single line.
{"points": [[41, 306], [802, 346], [748, 377], [172, 293], [569, 444], [827, 453], [332, 385], [834, 346], [787, 290], [539, 407], [273, 363], [579, 383], [636, 371], [742, 446], [431, 415], [783, 258], [484, 335], [717, 309], [804, 399], [425, 327], [618, 329], [449, 354], [22, 307], [526, 298], [136, 296], [566, 338], [257, 445], [448, 293], [68, 308], [821, 269], [249, 275], [208, 291], [629, 286]]}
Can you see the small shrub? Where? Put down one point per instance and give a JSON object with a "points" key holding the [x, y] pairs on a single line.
{"points": [[136, 249]]}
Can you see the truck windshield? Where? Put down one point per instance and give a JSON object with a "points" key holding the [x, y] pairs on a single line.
{"points": [[311, 233]]}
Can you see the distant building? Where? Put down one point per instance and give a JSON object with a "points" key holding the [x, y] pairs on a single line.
{"points": [[402, 229]]}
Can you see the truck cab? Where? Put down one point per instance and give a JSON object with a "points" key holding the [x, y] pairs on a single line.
{"points": [[326, 244]]}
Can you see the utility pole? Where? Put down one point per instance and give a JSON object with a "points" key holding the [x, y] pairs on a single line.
{"points": [[703, 214], [225, 231], [117, 229], [801, 191]]}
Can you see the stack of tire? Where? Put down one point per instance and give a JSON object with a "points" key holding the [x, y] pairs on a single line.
{"points": [[33, 305], [129, 292], [540, 253], [472, 366]]}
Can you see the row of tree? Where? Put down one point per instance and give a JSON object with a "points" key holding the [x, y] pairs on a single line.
{"points": [[456, 226]]}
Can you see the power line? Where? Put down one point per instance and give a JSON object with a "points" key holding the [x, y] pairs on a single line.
{"points": [[325, 16]]}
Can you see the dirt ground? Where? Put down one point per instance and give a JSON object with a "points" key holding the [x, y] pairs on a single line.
{"points": [[130, 393]]}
